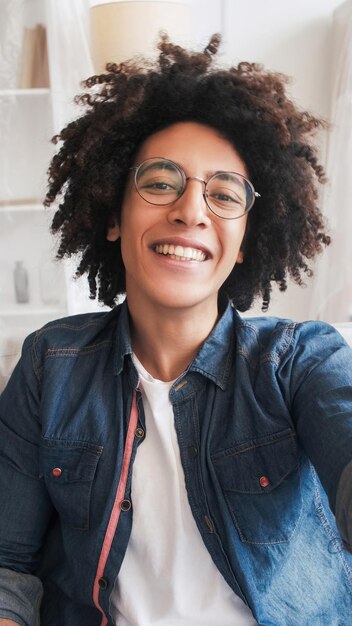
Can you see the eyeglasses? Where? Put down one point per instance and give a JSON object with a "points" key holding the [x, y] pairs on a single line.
{"points": [[160, 181]]}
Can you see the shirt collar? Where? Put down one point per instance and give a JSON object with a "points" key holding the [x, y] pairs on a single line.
{"points": [[123, 338], [213, 359]]}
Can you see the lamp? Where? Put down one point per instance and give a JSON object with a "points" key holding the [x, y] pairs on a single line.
{"points": [[122, 30]]}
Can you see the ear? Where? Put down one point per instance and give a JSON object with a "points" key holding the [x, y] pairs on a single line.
{"points": [[240, 257], [113, 232]]}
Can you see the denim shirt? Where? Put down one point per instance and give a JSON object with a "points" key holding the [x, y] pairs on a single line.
{"points": [[263, 417]]}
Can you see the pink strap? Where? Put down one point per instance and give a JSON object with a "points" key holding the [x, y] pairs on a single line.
{"points": [[115, 513]]}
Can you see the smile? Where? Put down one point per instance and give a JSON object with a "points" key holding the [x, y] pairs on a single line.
{"points": [[181, 253]]}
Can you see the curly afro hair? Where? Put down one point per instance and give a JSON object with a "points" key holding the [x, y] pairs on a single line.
{"points": [[248, 106]]}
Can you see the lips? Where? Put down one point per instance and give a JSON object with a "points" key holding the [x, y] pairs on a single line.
{"points": [[179, 252]]}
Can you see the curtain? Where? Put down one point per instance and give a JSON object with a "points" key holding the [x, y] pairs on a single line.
{"points": [[70, 63], [332, 291]]}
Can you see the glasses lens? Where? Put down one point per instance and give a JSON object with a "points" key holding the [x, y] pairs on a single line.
{"points": [[229, 195], [159, 181]]}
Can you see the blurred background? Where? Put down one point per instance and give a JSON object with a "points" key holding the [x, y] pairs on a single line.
{"points": [[48, 46]]}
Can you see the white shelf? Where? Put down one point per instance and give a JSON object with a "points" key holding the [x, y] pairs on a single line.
{"points": [[22, 310], [25, 92], [19, 206]]}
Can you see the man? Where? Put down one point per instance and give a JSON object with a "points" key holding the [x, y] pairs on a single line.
{"points": [[169, 462]]}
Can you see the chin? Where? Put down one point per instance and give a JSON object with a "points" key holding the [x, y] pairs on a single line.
{"points": [[182, 300]]}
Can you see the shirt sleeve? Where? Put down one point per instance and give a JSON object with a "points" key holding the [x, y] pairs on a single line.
{"points": [[25, 508], [320, 374], [20, 595]]}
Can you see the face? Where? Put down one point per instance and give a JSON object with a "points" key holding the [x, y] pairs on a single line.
{"points": [[178, 256]]}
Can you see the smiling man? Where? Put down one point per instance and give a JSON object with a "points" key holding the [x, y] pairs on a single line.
{"points": [[176, 251], [169, 462]]}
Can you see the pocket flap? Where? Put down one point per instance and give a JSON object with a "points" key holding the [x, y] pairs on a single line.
{"points": [[68, 462], [68, 469], [257, 466]]}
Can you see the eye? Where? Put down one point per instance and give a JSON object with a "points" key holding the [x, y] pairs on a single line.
{"points": [[157, 184], [160, 186], [225, 196]]}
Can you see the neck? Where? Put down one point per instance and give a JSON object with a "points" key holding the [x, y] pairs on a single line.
{"points": [[167, 340]]}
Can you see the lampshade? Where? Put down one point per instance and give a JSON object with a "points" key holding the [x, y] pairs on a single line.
{"points": [[121, 30]]}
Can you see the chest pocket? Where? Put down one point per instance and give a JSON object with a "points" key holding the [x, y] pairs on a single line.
{"points": [[261, 484], [68, 469]]}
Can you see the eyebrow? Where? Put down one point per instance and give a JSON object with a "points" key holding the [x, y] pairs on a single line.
{"points": [[225, 175], [162, 164]]}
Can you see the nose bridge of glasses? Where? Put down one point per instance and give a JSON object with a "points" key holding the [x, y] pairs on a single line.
{"points": [[200, 180], [196, 207]]}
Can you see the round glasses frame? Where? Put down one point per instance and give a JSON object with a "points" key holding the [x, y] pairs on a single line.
{"points": [[136, 169]]}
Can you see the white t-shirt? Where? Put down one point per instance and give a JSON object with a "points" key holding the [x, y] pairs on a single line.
{"points": [[168, 577]]}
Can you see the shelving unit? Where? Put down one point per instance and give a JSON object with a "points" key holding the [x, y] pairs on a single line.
{"points": [[25, 151]]}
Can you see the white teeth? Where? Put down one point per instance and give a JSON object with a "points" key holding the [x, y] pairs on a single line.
{"points": [[180, 252]]}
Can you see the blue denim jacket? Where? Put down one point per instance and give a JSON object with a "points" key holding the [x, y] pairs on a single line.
{"points": [[264, 423]]}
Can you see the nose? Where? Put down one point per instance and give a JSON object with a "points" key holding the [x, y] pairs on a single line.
{"points": [[190, 208]]}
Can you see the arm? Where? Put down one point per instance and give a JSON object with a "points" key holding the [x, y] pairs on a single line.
{"points": [[8, 622], [321, 398], [25, 507]]}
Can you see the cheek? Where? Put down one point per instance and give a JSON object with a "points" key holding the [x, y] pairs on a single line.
{"points": [[232, 242], [130, 258], [131, 235]]}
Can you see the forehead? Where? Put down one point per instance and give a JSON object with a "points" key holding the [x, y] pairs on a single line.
{"points": [[199, 149]]}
